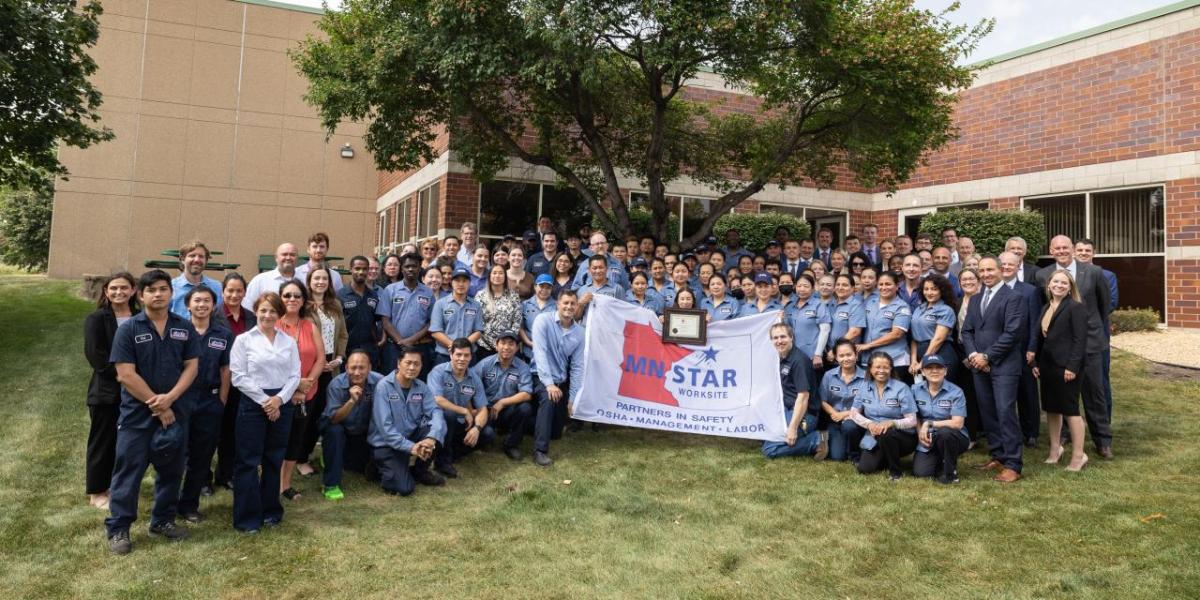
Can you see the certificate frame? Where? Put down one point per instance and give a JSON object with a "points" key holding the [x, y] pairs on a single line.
{"points": [[685, 326]]}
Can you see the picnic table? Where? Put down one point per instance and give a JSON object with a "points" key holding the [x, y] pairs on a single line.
{"points": [[159, 263], [266, 262]]}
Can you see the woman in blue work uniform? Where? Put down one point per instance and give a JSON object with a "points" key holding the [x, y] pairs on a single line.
{"points": [[809, 318], [837, 392], [942, 437], [640, 295], [762, 301], [888, 319], [210, 392], [116, 305], [888, 415], [719, 305], [931, 329], [847, 316]]}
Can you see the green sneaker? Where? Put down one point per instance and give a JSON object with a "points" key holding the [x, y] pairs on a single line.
{"points": [[334, 493]]}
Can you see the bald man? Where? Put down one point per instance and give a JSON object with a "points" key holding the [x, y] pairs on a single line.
{"points": [[269, 281]]}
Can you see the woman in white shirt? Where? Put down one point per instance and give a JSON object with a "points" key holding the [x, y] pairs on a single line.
{"points": [[266, 369]]}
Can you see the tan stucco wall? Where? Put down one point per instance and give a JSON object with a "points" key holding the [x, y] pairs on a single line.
{"points": [[213, 141]]}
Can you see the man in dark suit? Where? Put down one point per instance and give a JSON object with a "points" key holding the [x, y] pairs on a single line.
{"points": [[1028, 271], [1029, 409], [1093, 290], [994, 337]]}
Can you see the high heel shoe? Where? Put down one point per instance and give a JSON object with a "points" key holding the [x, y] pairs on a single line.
{"points": [[1054, 458], [1083, 463]]}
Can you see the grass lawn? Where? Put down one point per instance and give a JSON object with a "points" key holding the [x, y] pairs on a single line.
{"points": [[645, 514]]}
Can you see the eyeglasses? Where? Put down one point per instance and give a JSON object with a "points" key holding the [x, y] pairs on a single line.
{"points": [[292, 296], [858, 264]]}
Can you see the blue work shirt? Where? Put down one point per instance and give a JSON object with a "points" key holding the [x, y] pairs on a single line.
{"points": [[358, 422], [840, 395], [466, 392], [558, 352], [912, 300], [895, 402], [360, 311], [670, 290], [408, 309], [806, 320], [538, 264], [608, 289], [159, 360], [477, 283], [455, 319], [499, 382], [529, 311], [616, 274], [926, 318], [652, 302], [726, 310], [949, 402], [180, 287], [397, 412], [215, 345], [750, 309], [796, 376], [880, 321], [843, 315]]}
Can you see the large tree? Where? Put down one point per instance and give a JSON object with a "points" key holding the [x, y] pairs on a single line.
{"points": [[598, 89], [45, 96]]}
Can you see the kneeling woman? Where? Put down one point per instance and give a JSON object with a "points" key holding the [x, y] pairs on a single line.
{"points": [[889, 415], [266, 368], [839, 388], [942, 437]]}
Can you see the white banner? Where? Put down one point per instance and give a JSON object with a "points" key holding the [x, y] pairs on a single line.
{"points": [[729, 387]]}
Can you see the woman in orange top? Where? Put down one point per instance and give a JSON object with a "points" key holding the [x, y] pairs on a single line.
{"points": [[298, 325]]}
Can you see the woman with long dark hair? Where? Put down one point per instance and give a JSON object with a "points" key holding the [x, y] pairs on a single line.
{"points": [[298, 325], [932, 328], [501, 310], [887, 417], [116, 305], [325, 310]]}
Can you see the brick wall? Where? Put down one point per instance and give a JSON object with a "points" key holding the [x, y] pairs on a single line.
{"points": [[1004, 203], [460, 200], [885, 220], [1183, 293], [1183, 212]]}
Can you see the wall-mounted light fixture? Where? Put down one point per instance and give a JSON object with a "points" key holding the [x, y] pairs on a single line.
{"points": [[347, 151]]}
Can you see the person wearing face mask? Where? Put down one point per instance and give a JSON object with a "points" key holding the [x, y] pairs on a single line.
{"points": [[942, 408], [839, 388], [787, 290], [809, 318]]}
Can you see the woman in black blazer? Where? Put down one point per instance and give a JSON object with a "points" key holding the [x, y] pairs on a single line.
{"points": [[116, 305], [1062, 344]]}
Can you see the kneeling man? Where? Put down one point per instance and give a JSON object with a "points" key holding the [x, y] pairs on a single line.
{"points": [[508, 385], [346, 420], [795, 373], [405, 421], [459, 393]]}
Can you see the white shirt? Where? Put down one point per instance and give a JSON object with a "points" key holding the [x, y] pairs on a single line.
{"points": [[268, 281], [1069, 268], [995, 289], [302, 275], [465, 255], [258, 364]]}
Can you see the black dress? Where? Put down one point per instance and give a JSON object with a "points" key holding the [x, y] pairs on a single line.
{"points": [[1062, 347]]}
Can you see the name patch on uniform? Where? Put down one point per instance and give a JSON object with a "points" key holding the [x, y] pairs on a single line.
{"points": [[179, 334], [810, 313], [892, 402], [834, 388], [490, 375], [449, 312], [398, 300], [372, 302], [889, 315], [393, 395], [512, 377], [448, 384], [468, 390], [216, 344], [350, 303], [470, 312], [843, 315], [944, 404], [423, 301], [418, 397], [142, 339], [785, 370], [930, 317]]}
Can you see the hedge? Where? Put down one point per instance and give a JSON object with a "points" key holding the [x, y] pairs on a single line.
{"points": [[756, 229], [989, 229], [25, 228], [1134, 319]]}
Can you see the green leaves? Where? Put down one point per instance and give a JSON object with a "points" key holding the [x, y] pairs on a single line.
{"points": [[989, 229], [45, 95], [25, 228]]}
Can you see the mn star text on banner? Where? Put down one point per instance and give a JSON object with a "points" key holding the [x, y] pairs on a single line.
{"points": [[729, 387]]}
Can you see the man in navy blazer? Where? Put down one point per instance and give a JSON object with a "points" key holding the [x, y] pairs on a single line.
{"points": [[1029, 409], [994, 335], [1093, 291]]}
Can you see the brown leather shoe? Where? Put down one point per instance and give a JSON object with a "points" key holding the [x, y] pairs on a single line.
{"points": [[991, 465], [1007, 476], [1105, 452]]}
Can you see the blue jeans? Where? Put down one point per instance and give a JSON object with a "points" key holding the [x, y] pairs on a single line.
{"points": [[341, 451], [840, 436], [806, 444], [260, 442]]}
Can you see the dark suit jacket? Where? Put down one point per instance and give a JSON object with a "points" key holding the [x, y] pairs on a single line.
{"points": [[98, 331], [1029, 273], [1000, 332], [1065, 343], [1033, 310], [1093, 291]]}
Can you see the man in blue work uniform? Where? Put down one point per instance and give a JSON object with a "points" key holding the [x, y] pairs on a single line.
{"points": [[455, 316], [558, 352], [360, 302], [405, 308], [508, 387], [616, 270], [210, 392], [405, 421], [193, 259], [801, 413], [597, 285], [346, 420], [459, 393], [540, 302], [156, 355]]}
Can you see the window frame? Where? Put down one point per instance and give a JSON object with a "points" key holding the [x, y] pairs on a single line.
{"points": [[1087, 213]]}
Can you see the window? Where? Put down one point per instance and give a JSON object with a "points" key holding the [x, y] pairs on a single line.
{"points": [[1128, 221], [1063, 215], [400, 233], [565, 208], [694, 212], [784, 209], [427, 211], [381, 230], [507, 207]]}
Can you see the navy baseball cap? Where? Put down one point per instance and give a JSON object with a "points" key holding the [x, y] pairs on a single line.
{"points": [[639, 262], [460, 273], [508, 334], [772, 243], [933, 360], [544, 279], [531, 236], [702, 248], [763, 278], [687, 255], [711, 240]]}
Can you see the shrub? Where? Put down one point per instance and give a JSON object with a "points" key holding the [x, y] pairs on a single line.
{"points": [[25, 228], [989, 229], [757, 229], [1134, 319]]}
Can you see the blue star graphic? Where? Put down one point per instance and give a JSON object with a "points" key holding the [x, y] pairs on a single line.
{"points": [[710, 354]]}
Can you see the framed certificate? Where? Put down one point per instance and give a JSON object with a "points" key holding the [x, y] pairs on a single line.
{"points": [[685, 326]]}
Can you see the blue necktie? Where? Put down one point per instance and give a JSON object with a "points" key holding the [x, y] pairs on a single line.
{"points": [[987, 297]]}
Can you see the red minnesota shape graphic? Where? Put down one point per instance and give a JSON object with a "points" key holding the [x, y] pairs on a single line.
{"points": [[647, 361]]}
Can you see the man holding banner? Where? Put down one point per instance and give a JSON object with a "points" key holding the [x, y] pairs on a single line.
{"points": [[558, 358], [795, 374]]}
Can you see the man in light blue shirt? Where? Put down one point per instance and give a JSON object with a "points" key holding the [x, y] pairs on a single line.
{"points": [[616, 270], [558, 356], [508, 386], [455, 316], [193, 259], [460, 395], [405, 421]]}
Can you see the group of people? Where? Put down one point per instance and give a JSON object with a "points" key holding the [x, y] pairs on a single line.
{"points": [[448, 346]]}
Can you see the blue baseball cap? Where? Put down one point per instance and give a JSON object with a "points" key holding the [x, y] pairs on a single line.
{"points": [[544, 279], [460, 273], [763, 278], [639, 262], [711, 240], [508, 334], [773, 243], [932, 360]]}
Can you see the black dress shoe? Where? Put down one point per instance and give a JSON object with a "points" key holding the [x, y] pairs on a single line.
{"points": [[513, 453], [1105, 452], [1031, 442], [429, 478]]}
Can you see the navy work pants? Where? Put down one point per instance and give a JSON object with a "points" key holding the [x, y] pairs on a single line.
{"points": [[260, 443], [395, 476], [342, 451], [997, 396], [134, 456]]}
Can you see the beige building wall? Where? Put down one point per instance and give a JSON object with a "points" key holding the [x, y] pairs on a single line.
{"points": [[213, 141]]}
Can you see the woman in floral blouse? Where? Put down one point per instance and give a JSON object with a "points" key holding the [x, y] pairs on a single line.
{"points": [[501, 310]]}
